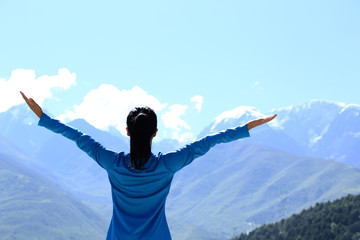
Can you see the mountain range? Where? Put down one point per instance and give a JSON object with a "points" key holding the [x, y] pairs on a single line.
{"points": [[319, 128], [308, 154]]}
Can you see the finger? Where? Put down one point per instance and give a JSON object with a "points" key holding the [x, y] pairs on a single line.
{"points": [[273, 116], [268, 119], [29, 101], [25, 98], [23, 95]]}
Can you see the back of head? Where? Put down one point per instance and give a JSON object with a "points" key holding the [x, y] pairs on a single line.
{"points": [[142, 124]]}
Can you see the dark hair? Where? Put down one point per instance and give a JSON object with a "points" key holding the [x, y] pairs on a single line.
{"points": [[142, 124]]}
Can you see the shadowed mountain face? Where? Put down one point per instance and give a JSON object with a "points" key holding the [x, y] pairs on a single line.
{"points": [[32, 207], [342, 139], [238, 184], [19, 125], [279, 170]]}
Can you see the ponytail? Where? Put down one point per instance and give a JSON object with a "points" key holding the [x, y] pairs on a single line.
{"points": [[142, 124]]}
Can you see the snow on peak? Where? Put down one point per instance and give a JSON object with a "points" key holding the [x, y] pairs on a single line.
{"points": [[350, 107], [242, 111], [238, 112], [323, 101], [311, 104]]}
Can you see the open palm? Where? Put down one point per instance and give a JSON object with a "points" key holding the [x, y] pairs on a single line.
{"points": [[260, 121], [33, 105]]}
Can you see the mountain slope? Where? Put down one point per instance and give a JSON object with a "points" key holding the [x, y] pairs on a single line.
{"points": [[34, 208], [237, 183], [76, 171], [342, 140], [19, 125]]}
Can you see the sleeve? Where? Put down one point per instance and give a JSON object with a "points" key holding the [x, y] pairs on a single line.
{"points": [[104, 157], [180, 158]]}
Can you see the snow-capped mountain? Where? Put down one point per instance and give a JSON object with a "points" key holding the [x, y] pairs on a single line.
{"points": [[270, 134], [341, 141], [308, 122], [325, 129], [232, 118], [318, 128]]}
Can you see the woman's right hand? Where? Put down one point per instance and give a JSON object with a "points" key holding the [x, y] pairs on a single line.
{"points": [[33, 105]]}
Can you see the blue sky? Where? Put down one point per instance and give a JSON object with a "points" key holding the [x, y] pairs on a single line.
{"points": [[116, 54]]}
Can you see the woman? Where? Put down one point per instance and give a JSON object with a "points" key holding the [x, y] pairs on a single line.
{"points": [[140, 181]]}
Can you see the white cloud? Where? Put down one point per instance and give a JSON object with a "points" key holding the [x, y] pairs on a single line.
{"points": [[184, 137], [199, 100], [108, 106], [172, 118], [38, 88]]}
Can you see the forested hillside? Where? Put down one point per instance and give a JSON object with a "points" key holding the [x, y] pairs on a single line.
{"points": [[339, 219]]}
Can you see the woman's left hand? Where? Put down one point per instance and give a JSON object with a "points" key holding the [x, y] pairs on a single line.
{"points": [[260, 121], [33, 105]]}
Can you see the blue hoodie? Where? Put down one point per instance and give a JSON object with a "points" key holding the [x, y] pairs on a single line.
{"points": [[139, 195]]}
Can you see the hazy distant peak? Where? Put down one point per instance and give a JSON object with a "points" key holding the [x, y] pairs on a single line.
{"points": [[80, 122]]}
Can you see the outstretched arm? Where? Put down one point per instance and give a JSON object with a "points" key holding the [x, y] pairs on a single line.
{"points": [[178, 159], [33, 105], [260, 121], [104, 157]]}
